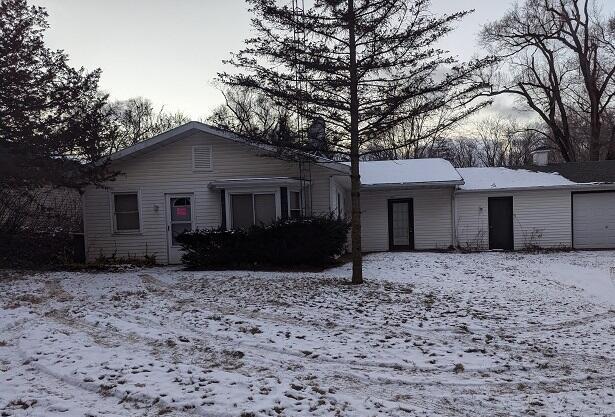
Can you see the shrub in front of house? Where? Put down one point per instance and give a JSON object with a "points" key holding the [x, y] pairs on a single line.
{"points": [[308, 241], [27, 249]]}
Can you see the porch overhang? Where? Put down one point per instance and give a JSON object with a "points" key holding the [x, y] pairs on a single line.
{"points": [[251, 183]]}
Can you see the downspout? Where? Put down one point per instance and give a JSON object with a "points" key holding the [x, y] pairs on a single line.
{"points": [[454, 218]]}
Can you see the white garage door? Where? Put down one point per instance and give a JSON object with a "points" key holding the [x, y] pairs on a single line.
{"points": [[594, 220]]}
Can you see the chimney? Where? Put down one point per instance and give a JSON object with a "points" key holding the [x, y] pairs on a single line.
{"points": [[316, 134], [540, 157]]}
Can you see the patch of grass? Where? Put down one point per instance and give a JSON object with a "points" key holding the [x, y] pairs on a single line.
{"points": [[251, 330]]}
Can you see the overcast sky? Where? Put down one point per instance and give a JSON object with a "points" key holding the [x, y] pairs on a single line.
{"points": [[171, 50]]}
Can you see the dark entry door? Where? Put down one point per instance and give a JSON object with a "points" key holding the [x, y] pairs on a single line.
{"points": [[501, 235], [401, 224]]}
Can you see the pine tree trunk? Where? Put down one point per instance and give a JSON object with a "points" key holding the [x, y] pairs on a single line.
{"points": [[355, 179]]}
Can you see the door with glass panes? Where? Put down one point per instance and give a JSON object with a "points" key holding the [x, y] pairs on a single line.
{"points": [[401, 224], [179, 220]]}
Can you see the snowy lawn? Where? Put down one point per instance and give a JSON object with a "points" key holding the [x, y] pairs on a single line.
{"points": [[428, 335]]}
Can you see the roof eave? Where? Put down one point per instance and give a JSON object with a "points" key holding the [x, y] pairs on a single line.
{"points": [[408, 185], [583, 186]]}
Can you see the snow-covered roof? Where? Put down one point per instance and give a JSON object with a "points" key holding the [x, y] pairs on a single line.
{"points": [[408, 172], [506, 178]]}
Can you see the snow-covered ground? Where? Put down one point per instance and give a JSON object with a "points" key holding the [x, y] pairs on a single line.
{"points": [[428, 335]]}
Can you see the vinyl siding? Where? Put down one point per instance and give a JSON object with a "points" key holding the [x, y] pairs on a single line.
{"points": [[432, 218], [540, 218], [168, 170], [594, 220]]}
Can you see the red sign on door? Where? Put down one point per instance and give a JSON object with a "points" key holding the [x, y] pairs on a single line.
{"points": [[181, 211]]}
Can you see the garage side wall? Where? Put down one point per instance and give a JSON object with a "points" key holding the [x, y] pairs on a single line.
{"points": [[432, 218], [540, 218], [168, 170]]}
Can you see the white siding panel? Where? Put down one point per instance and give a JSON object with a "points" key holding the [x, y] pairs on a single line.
{"points": [[170, 170], [540, 218], [432, 218], [594, 220]]}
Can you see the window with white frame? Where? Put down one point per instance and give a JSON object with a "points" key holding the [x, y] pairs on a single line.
{"points": [[294, 204], [126, 212], [252, 209]]}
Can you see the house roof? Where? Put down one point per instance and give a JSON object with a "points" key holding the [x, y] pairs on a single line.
{"points": [[492, 178], [582, 172], [408, 172], [192, 127], [570, 174]]}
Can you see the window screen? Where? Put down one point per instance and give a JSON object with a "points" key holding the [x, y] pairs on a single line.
{"points": [[243, 211], [264, 208], [126, 212]]}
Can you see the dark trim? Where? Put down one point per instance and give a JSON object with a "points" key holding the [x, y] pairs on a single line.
{"points": [[284, 202], [491, 219], [223, 205], [572, 194], [593, 192], [410, 246]]}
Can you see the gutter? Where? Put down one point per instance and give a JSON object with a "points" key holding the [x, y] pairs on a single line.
{"points": [[587, 186], [411, 185], [454, 219]]}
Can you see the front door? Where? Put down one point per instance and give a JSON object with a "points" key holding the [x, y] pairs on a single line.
{"points": [[401, 225], [501, 234], [179, 220]]}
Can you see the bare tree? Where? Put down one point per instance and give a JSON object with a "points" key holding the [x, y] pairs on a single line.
{"points": [[504, 142], [533, 67], [561, 57], [422, 136], [253, 115], [591, 39], [137, 119], [362, 66]]}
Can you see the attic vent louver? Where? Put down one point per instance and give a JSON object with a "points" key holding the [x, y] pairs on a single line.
{"points": [[202, 158]]}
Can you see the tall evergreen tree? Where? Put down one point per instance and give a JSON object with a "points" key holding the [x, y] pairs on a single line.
{"points": [[363, 66], [53, 121]]}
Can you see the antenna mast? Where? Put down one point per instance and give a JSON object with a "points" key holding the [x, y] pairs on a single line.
{"points": [[299, 41], [299, 38]]}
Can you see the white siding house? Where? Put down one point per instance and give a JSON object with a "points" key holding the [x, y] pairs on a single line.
{"points": [[432, 218], [407, 204], [197, 177], [166, 173], [542, 210], [541, 218]]}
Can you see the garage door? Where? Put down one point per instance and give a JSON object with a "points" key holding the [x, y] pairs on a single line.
{"points": [[593, 220]]}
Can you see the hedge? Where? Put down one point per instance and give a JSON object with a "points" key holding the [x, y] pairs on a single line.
{"points": [[40, 250], [308, 241]]}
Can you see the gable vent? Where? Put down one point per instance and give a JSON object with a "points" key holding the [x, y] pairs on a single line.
{"points": [[202, 158]]}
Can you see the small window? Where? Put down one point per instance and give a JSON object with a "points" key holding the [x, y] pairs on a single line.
{"points": [[294, 204], [126, 212], [202, 158]]}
